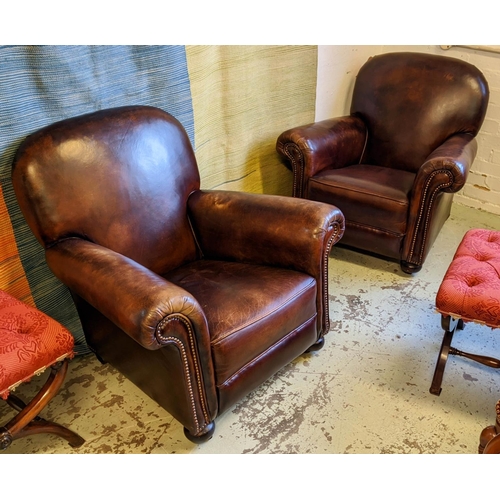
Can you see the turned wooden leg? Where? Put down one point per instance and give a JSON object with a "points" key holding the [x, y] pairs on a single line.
{"points": [[28, 422], [484, 360], [450, 325], [14, 402]]}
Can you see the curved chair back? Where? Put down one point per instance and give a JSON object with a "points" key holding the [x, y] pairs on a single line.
{"points": [[110, 177], [412, 102]]}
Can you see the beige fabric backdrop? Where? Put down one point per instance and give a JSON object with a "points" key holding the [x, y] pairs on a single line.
{"points": [[243, 98]]}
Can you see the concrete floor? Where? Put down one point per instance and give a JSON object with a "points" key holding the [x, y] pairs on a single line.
{"points": [[365, 392]]}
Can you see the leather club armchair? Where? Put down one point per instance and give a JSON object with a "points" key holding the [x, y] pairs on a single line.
{"points": [[195, 296], [393, 164]]}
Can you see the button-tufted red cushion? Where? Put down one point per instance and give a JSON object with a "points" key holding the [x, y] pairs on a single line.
{"points": [[471, 287], [30, 341]]}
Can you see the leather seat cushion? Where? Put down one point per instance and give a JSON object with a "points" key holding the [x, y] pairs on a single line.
{"points": [[367, 195], [471, 286], [30, 341], [249, 308]]}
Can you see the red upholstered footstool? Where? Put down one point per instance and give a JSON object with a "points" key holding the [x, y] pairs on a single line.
{"points": [[470, 291], [30, 342]]}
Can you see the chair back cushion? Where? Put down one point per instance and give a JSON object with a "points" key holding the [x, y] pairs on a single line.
{"points": [[118, 177], [412, 102]]}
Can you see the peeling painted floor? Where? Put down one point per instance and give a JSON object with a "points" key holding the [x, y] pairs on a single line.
{"points": [[365, 392]]}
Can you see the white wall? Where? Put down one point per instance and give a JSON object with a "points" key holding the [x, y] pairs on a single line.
{"points": [[337, 69], [338, 66]]}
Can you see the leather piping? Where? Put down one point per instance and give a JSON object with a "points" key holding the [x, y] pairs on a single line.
{"points": [[260, 318], [392, 234], [280, 341]]}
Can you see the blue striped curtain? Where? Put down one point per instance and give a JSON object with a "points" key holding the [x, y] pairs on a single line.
{"points": [[43, 84]]}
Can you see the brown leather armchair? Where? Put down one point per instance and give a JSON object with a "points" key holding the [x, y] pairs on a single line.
{"points": [[393, 165], [195, 296]]}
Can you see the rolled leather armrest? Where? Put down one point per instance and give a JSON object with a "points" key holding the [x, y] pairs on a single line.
{"points": [[332, 143], [264, 229], [453, 159], [445, 170], [269, 230], [131, 296]]}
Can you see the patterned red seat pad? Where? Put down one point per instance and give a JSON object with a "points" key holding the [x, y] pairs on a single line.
{"points": [[470, 289], [30, 341]]}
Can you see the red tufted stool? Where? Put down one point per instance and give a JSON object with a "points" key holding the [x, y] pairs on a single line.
{"points": [[30, 342], [470, 291]]}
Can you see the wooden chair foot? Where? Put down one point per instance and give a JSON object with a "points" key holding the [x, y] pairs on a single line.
{"points": [[450, 326], [409, 268], [201, 438], [493, 446], [42, 426], [317, 345], [489, 441], [487, 435], [441, 363], [28, 422]]}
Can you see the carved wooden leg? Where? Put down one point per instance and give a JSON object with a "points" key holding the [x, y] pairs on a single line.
{"points": [[27, 421], [449, 325]]}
